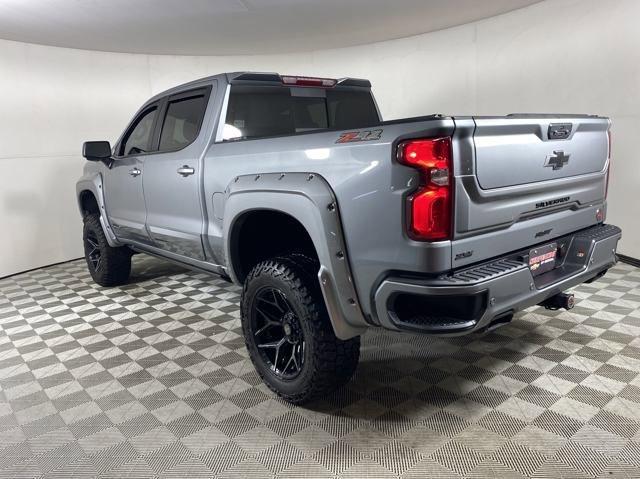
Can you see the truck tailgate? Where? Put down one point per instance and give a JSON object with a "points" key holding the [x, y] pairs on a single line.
{"points": [[516, 150], [523, 180]]}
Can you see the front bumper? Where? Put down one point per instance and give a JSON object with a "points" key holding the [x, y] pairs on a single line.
{"points": [[475, 298]]}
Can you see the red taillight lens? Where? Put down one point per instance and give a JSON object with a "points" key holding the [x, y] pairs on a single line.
{"points": [[429, 208], [606, 188]]}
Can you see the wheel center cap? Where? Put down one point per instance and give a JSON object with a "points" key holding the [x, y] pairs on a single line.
{"points": [[287, 329]]}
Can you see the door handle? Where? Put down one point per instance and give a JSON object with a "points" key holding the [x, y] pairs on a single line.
{"points": [[185, 170], [135, 172]]}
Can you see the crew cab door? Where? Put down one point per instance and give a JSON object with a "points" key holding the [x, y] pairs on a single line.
{"points": [[125, 205], [172, 178]]}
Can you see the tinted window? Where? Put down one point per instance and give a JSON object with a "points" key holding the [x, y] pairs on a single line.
{"points": [[139, 135], [351, 109], [258, 111], [309, 113], [182, 122]]}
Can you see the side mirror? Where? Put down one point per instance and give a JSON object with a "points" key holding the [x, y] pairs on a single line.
{"points": [[97, 151]]}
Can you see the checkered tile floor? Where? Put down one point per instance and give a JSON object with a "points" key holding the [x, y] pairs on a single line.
{"points": [[152, 380]]}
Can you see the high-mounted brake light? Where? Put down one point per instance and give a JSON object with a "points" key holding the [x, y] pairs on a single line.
{"points": [[429, 207], [307, 81]]}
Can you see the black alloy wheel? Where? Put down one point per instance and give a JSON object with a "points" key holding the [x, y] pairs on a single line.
{"points": [[92, 251], [277, 333]]}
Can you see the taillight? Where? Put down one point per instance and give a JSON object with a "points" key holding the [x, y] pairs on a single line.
{"points": [[606, 188], [429, 207]]}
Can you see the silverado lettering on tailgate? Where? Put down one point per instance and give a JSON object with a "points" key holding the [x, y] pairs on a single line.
{"points": [[557, 201]]}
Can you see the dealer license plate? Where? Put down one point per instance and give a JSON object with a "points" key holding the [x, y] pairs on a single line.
{"points": [[543, 259]]}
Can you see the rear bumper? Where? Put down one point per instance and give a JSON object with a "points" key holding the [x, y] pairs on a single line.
{"points": [[477, 297]]}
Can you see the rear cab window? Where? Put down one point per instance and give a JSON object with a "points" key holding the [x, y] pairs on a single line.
{"points": [[256, 111]]}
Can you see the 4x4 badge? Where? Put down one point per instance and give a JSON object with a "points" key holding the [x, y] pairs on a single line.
{"points": [[557, 160]]}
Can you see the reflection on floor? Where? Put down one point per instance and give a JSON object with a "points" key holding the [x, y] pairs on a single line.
{"points": [[152, 379]]}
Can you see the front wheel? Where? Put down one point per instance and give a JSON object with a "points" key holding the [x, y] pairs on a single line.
{"points": [[107, 265], [288, 333]]}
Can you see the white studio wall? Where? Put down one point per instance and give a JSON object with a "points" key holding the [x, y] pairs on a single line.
{"points": [[574, 56]]}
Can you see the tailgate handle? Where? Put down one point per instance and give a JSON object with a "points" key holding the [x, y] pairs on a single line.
{"points": [[559, 131]]}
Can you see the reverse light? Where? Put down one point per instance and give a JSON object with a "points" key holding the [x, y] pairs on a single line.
{"points": [[429, 207], [308, 81]]}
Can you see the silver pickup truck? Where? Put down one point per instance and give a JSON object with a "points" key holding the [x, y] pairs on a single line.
{"points": [[335, 221]]}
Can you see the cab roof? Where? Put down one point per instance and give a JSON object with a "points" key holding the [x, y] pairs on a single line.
{"points": [[269, 78]]}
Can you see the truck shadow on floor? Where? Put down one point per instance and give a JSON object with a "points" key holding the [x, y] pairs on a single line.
{"points": [[411, 377], [146, 268]]}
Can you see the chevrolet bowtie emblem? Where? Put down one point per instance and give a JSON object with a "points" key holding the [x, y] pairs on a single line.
{"points": [[557, 160]]}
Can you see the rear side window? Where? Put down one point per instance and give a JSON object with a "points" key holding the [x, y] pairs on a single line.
{"points": [[263, 111], [182, 122], [138, 137]]}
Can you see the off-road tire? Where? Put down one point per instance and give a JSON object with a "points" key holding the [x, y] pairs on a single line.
{"points": [[328, 361], [114, 266]]}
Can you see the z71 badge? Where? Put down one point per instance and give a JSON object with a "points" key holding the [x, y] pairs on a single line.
{"points": [[365, 135]]}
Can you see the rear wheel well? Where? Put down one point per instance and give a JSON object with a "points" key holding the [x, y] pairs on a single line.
{"points": [[88, 203], [263, 234]]}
